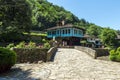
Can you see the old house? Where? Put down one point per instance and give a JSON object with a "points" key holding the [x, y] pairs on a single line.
{"points": [[66, 34]]}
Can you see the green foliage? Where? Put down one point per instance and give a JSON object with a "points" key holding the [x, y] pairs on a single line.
{"points": [[24, 15], [110, 47], [46, 45], [36, 34], [31, 45], [115, 55], [25, 45], [108, 37], [94, 30], [83, 41], [45, 14], [21, 45], [7, 59], [113, 58], [15, 18], [44, 41], [82, 23], [10, 46]]}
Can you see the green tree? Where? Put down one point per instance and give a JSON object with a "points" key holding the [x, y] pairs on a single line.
{"points": [[94, 30], [46, 15], [108, 37], [15, 18], [82, 23]]}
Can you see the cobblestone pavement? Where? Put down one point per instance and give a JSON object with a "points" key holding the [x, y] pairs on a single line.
{"points": [[69, 64]]}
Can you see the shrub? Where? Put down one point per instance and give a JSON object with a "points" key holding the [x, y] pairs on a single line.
{"points": [[115, 55], [24, 45], [112, 52], [10, 46], [113, 58], [46, 45], [118, 50], [7, 59], [31, 45], [21, 45], [44, 41]]}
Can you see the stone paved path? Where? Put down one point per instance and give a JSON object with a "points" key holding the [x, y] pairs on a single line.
{"points": [[69, 64]]}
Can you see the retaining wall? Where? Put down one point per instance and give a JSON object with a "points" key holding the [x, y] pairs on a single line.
{"points": [[93, 52], [34, 55], [51, 53]]}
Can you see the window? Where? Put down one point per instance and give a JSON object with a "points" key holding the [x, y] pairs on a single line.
{"points": [[54, 32], [68, 31], [79, 32], [75, 31], [63, 31], [57, 31], [49, 33]]}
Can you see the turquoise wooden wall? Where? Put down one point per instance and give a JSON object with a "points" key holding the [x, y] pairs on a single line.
{"points": [[65, 32]]}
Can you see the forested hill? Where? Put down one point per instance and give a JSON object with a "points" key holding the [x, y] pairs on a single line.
{"points": [[19, 16], [45, 15]]}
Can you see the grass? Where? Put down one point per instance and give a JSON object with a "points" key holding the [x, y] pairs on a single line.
{"points": [[36, 34]]}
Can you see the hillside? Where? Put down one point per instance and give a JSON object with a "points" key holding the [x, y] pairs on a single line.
{"points": [[46, 15], [19, 16]]}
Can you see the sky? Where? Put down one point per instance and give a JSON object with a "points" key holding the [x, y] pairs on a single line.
{"points": [[104, 13]]}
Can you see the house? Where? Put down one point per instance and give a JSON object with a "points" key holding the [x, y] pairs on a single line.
{"points": [[118, 37], [93, 40], [66, 34]]}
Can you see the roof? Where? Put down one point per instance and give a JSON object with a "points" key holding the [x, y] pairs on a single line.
{"points": [[88, 36], [118, 37], [65, 26]]}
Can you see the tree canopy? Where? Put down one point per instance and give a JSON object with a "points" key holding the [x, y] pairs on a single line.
{"points": [[108, 37], [45, 14], [18, 16], [15, 18], [94, 30]]}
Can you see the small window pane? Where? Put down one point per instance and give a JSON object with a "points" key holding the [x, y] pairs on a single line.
{"points": [[68, 31]]}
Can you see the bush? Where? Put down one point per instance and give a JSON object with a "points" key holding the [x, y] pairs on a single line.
{"points": [[44, 41], [115, 55], [113, 58], [46, 45], [24, 45], [31, 45], [21, 45], [7, 59], [10, 46]]}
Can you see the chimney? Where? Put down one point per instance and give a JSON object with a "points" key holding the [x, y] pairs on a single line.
{"points": [[63, 22]]}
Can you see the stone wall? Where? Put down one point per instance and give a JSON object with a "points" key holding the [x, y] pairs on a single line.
{"points": [[101, 52], [94, 53], [33, 55], [51, 53], [87, 50], [30, 55]]}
